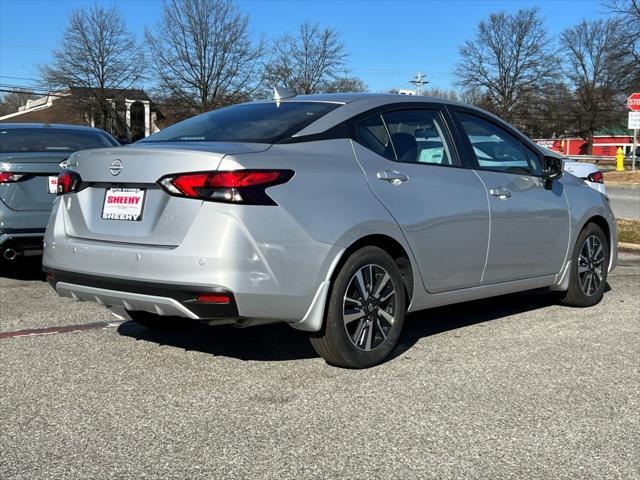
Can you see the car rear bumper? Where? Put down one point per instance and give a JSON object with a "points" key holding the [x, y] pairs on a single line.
{"points": [[23, 229], [599, 187], [161, 299]]}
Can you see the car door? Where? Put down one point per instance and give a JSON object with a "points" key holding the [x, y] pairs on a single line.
{"points": [[529, 215], [413, 168]]}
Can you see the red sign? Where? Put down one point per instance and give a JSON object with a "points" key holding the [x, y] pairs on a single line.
{"points": [[633, 102]]}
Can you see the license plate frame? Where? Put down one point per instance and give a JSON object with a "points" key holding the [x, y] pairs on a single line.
{"points": [[124, 210]]}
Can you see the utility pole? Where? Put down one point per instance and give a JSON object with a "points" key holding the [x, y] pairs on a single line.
{"points": [[419, 82]]}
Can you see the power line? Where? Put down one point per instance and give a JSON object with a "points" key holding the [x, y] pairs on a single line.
{"points": [[21, 78]]}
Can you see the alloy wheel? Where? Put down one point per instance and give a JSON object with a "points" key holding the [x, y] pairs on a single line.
{"points": [[591, 265], [369, 307]]}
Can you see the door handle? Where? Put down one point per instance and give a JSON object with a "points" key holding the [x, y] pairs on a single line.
{"points": [[394, 177], [501, 193]]}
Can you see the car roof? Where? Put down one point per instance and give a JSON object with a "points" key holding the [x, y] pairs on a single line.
{"points": [[352, 104], [345, 98], [57, 126], [359, 97]]}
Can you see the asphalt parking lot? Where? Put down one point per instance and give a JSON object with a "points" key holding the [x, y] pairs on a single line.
{"points": [[513, 387], [625, 202]]}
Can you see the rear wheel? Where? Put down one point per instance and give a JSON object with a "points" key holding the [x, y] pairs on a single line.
{"points": [[365, 313], [589, 265], [159, 322]]}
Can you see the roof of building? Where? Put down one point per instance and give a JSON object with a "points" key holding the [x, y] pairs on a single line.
{"points": [[613, 131], [119, 93]]}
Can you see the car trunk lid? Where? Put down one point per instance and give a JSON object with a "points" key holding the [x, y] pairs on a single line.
{"points": [[34, 191], [122, 202]]}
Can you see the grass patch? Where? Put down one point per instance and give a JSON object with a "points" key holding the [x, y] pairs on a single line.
{"points": [[628, 231], [624, 177]]}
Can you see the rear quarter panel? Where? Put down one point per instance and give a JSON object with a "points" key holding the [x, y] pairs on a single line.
{"points": [[328, 196]]}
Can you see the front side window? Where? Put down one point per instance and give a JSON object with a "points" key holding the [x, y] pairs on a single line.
{"points": [[25, 140], [496, 149], [267, 122], [408, 136]]}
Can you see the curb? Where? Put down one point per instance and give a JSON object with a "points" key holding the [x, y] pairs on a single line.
{"points": [[628, 247], [623, 185]]}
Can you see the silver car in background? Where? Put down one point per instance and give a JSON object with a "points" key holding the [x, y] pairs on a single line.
{"points": [[30, 158], [336, 214]]}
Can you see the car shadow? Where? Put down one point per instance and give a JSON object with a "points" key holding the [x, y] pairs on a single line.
{"points": [[27, 269], [452, 317], [280, 342], [275, 342]]}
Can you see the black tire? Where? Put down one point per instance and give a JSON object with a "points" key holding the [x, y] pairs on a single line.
{"points": [[159, 322], [369, 339], [588, 277]]}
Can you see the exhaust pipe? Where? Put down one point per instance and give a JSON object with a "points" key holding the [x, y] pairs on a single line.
{"points": [[9, 254]]}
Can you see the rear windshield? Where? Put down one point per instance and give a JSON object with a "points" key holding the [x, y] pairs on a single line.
{"points": [[18, 140], [251, 122]]}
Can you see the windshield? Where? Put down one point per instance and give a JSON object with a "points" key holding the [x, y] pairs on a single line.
{"points": [[251, 122], [25, 140]]}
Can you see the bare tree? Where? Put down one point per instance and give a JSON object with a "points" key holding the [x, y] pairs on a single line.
{"points": [[311, 61], [509, 58], [96, 53], [346, 84], [441, 93], [202, 53], [628, 13], [597, 59]]}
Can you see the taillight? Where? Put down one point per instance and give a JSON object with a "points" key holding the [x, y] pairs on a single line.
{"points": [[238, 186], [10, 177], [68, 182], [596, 177]]}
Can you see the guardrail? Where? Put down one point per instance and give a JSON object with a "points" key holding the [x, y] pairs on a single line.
{"points": [[599, 160]]}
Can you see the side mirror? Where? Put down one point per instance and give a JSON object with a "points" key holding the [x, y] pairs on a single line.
{"points": [[551, 167]]}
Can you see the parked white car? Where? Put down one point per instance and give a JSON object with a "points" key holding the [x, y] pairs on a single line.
{"points": [[586, 171]]}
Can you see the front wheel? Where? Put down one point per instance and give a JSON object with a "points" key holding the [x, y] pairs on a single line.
{"points": [[589, 266], [365, 313]]}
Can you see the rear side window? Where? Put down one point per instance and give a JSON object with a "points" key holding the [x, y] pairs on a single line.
{"points": [[496, 149], [373, 134], [408, 136], [418, 137], [24, 140], [252, 122]]}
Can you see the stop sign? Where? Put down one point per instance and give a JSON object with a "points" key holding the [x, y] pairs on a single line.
{"points": [[633, 102]]}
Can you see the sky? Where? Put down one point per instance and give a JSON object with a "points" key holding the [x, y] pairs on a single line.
{"points": [[388, 41]]}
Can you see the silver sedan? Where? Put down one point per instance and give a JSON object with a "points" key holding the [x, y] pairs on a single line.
{"points": [[336, 214]]}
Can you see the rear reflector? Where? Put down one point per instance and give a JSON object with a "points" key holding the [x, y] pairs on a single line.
{"points": [[218, 298], [238, 186]]}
